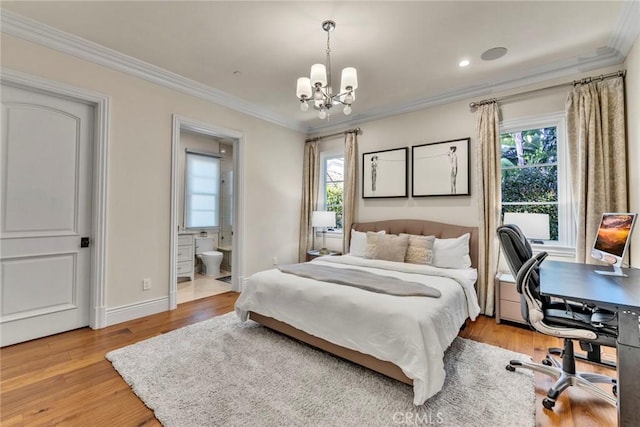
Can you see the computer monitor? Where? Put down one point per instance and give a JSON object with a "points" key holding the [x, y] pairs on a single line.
{"points": [[612, 240]]}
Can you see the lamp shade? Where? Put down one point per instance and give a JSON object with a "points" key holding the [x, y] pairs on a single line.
{"points": [[304, 87], [323, 219], [533, 225], [318, 75], [349, 78]]}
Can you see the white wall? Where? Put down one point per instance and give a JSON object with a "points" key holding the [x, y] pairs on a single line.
{"points": [[139, 171], [632, 65]]}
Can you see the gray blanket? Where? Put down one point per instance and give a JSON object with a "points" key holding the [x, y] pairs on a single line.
{"points": [[360, 279]]}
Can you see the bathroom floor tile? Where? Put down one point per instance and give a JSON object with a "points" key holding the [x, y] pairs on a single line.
{"points": [[201, 287]]}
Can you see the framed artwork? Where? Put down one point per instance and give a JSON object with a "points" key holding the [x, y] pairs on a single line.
{"points": [[441, 169], [385, 173]]}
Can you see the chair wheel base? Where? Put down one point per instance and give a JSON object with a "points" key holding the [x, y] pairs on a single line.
{"points": [[548, 403]]}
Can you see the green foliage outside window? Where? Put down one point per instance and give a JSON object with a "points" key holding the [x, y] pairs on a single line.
{"points": [[334, 199], [530, 174]]}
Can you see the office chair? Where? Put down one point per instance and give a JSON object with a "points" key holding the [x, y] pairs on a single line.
{"points": [[561, 319]]}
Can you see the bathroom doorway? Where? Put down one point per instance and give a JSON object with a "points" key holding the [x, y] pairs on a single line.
{"points": [[205, 259]]}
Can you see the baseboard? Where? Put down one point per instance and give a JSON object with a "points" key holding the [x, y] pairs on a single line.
{"points": [[136, 310]]}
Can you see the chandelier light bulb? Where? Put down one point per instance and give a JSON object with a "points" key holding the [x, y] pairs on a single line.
{"points": [[304, 106], [348, 99], [317, 95], [347, 110], [322, 115]]}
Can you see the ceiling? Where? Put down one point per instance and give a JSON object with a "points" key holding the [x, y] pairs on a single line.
{"points": [[251, 53]]}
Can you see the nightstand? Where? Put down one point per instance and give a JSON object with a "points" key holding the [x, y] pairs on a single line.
{"points": [[315, 254], [507, 299]]}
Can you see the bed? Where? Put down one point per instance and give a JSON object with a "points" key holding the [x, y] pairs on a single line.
{"points": [[403, 337]]}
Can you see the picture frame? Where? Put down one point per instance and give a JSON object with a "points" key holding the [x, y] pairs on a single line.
{"points": [[441, 169], [385, 173]]}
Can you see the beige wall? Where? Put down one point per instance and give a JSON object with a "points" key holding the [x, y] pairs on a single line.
{"points": [[632, 65], [454, 121], [139, 171]]}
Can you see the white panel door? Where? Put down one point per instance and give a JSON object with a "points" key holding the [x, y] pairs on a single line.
{"points": [[46, 163]]}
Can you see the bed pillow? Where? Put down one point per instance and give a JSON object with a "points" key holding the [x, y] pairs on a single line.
{"points": [[452, 253], [372, 243], [389, 247], [358, 245], [420, 249]]}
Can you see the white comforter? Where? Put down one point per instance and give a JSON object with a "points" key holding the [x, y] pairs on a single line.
{"points": [[411, 332]]}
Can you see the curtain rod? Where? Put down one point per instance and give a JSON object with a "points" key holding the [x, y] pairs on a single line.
{"points": [[357, 131], [586, 80]]}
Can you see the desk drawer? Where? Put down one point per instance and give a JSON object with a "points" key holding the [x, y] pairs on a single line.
{"points": [[510, 310], [509, 292]]}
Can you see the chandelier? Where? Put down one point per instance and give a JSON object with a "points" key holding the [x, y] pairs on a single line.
{"points": [[317, 88]]}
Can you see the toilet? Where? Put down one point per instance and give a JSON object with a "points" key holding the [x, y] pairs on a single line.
{"points": [[205, 251]]}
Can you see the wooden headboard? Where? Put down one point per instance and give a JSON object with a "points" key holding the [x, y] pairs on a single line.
{"points": [[426, 228]]}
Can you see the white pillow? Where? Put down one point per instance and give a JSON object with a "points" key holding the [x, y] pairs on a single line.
{"points": [[452, 253], [358, 245]]}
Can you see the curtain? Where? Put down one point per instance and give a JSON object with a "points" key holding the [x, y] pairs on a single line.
{"points": [[310, 182], [597, 155], [349, 195], [489, 201]]}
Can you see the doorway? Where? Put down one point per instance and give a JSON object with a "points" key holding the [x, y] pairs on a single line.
{"points": [[187, 280]]}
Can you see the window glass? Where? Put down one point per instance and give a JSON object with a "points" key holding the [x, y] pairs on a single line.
{"points": [[202, 189], [534, 173], [333, 186]]}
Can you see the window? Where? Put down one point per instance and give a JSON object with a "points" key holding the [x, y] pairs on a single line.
{"points": [[332, 185], [535, 173], [202, 190]]}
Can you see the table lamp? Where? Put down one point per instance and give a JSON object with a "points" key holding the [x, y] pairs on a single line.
{"points": [[534, 226], [324, 220]]}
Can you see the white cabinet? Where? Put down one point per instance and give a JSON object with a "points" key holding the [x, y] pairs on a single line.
{"points": [[185, 256], [507, 299]]}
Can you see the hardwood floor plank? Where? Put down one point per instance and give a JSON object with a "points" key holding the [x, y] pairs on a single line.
{"points": [[65, 379]]}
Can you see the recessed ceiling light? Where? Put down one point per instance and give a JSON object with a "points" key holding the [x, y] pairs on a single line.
{"points": [[464, 63], [494, 53]]}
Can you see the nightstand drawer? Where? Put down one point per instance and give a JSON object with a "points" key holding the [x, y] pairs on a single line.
{"points": [[510, 310], [509, 292]]}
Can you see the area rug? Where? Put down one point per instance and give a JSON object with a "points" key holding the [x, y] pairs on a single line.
{"points": [[222, 372]]}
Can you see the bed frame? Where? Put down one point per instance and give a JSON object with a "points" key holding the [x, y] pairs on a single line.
{"points": [[393, 226]]}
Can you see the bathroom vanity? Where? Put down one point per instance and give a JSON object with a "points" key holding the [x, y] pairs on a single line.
{"points": [[185, 255]]}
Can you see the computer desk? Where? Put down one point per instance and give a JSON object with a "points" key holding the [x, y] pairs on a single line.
{"points": [[580, 283]]}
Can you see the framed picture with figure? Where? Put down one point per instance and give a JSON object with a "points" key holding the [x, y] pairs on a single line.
{"points": [[385, 173], [441, 169]]}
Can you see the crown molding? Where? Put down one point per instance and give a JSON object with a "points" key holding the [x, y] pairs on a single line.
{"points": [[625, 33], [44, 35]]}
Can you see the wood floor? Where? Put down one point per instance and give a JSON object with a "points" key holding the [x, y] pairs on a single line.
{"points": [[65, 379]]}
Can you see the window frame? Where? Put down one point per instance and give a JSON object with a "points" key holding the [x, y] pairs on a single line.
{"points": [[325, 156], [565, 245], [187, 191]]}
